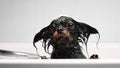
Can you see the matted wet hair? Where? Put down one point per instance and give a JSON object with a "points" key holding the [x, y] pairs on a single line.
{"points": [[81, 31]]}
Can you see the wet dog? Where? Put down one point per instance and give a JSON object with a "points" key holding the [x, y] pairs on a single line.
{"points": [[64, 35]]}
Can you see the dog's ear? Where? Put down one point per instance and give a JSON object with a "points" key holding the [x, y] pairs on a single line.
{"points": [[44, 34], [88, 29], [85, 31]]}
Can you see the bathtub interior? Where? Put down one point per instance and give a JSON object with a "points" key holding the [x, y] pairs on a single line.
{"points": [[104, 50]]}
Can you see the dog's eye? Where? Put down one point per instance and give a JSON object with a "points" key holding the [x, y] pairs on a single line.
{"points": [[70, 24]]}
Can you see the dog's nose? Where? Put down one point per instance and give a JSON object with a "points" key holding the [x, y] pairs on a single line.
{"points": [[60, 29]]}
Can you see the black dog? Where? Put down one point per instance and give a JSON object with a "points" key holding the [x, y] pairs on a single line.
{"points": [[64, 34]]}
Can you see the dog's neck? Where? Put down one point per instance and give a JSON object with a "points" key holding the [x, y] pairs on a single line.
{"points": [[68, 45], [67, 51]]}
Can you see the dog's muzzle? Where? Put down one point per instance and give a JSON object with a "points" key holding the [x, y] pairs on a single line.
{"points": [[62, 37]]}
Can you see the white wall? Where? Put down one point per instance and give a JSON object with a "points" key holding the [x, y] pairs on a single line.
{"points": [[20, 20], [16, 20]]}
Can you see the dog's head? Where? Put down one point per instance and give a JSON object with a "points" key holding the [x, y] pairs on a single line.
{"points": [[64, 31]]}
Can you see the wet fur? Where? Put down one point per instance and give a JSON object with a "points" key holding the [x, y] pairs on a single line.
{"points": [[77, 33]]}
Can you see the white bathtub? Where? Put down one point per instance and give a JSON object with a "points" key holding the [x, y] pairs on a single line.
{"points": [[105, 50], [108, 52]]}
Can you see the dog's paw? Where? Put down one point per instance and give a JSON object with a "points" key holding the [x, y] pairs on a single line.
{"points": [[44, 57], [94, 56]]}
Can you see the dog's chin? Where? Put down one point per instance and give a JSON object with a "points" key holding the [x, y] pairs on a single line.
{"points": [[62, 41]]}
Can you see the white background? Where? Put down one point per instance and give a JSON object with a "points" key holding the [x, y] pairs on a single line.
{"points": [[20, 20]]}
